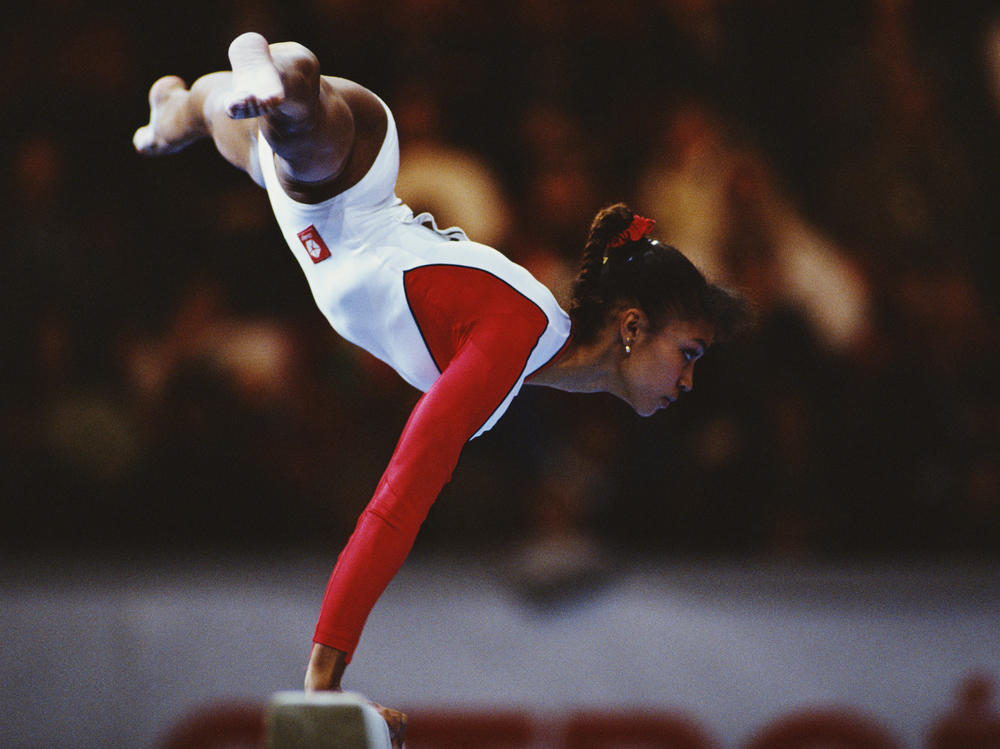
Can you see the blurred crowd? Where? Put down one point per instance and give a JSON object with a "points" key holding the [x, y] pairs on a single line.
{"points": [[167, 381]]}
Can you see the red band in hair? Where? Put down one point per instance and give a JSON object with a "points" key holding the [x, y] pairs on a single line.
{"points": [[639, 228]]}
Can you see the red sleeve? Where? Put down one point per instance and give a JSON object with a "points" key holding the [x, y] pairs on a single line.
{"points": [[475, 382]]}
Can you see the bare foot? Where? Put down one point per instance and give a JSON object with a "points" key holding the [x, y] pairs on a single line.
{"points": [[257, 88], [153, 139]]}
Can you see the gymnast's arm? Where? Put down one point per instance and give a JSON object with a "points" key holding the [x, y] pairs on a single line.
{"points": [[463, 398]]}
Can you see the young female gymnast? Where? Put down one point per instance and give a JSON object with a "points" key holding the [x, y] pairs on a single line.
{"points": [[456, 319]]}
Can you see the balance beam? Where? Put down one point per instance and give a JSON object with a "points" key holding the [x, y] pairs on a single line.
{"points": [[324, 720]]}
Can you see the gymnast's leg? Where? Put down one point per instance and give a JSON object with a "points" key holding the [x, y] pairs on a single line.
{"points": [[274, 87]]}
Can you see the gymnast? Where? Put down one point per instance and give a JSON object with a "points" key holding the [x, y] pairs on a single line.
{"points": [[456, 319]]}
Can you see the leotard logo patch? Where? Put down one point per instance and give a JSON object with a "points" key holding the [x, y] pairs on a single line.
{"points": [[314, 244]]}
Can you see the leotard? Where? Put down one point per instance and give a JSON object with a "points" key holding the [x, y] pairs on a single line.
{"points": [[455, 318]]}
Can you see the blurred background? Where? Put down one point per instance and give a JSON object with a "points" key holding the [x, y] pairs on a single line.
{"points": [[169, 391]]}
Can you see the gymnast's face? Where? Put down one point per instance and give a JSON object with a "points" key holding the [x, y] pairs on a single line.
{"points": [[660, 365]]}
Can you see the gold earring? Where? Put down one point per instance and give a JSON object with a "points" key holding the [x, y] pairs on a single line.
{"points": [[628, 347]]}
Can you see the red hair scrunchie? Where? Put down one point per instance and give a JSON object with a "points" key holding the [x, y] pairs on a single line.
{"points": [[639, 228]]}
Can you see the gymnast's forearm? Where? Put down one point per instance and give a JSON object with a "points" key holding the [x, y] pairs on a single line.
{"points": [[369, 561], [372, 557], [421, 465]]}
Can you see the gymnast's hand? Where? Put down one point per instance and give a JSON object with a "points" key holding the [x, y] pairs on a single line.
{"points": [[396, 722], [325, 670]]}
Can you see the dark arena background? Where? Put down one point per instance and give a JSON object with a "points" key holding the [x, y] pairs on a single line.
{"points": [[812, 538]]}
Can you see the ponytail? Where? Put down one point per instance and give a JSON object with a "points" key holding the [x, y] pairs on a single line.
{"points": [[622, 265], [587, 308]]}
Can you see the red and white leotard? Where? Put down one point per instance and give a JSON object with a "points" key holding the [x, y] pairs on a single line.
{"points": [[456, 319]]}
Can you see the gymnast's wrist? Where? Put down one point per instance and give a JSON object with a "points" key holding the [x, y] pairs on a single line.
{"points": [[326, 668]]}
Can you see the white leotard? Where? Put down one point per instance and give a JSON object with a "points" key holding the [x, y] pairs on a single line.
{"points": [[354, 249]]}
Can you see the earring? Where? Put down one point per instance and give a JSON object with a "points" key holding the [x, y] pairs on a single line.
{"points": [[628, 347]]}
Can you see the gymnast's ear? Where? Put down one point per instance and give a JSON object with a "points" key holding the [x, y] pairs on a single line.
{"points": [[632, 324]]}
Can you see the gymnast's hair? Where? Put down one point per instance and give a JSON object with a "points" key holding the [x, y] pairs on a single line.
{"points": [[619, 270]]}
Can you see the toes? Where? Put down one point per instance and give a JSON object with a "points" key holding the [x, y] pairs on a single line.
{"points": [[144, 139], [240, 108], [243, 106]]}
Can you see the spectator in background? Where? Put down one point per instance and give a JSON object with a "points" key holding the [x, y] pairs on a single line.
{"points": [[725, 203], [558, 194], [458, 187]]}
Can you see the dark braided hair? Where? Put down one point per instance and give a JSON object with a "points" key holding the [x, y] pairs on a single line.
{"points": [[655, 277]]}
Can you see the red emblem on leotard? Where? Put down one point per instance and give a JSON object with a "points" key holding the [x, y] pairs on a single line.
{"points": [[314, 244]]}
